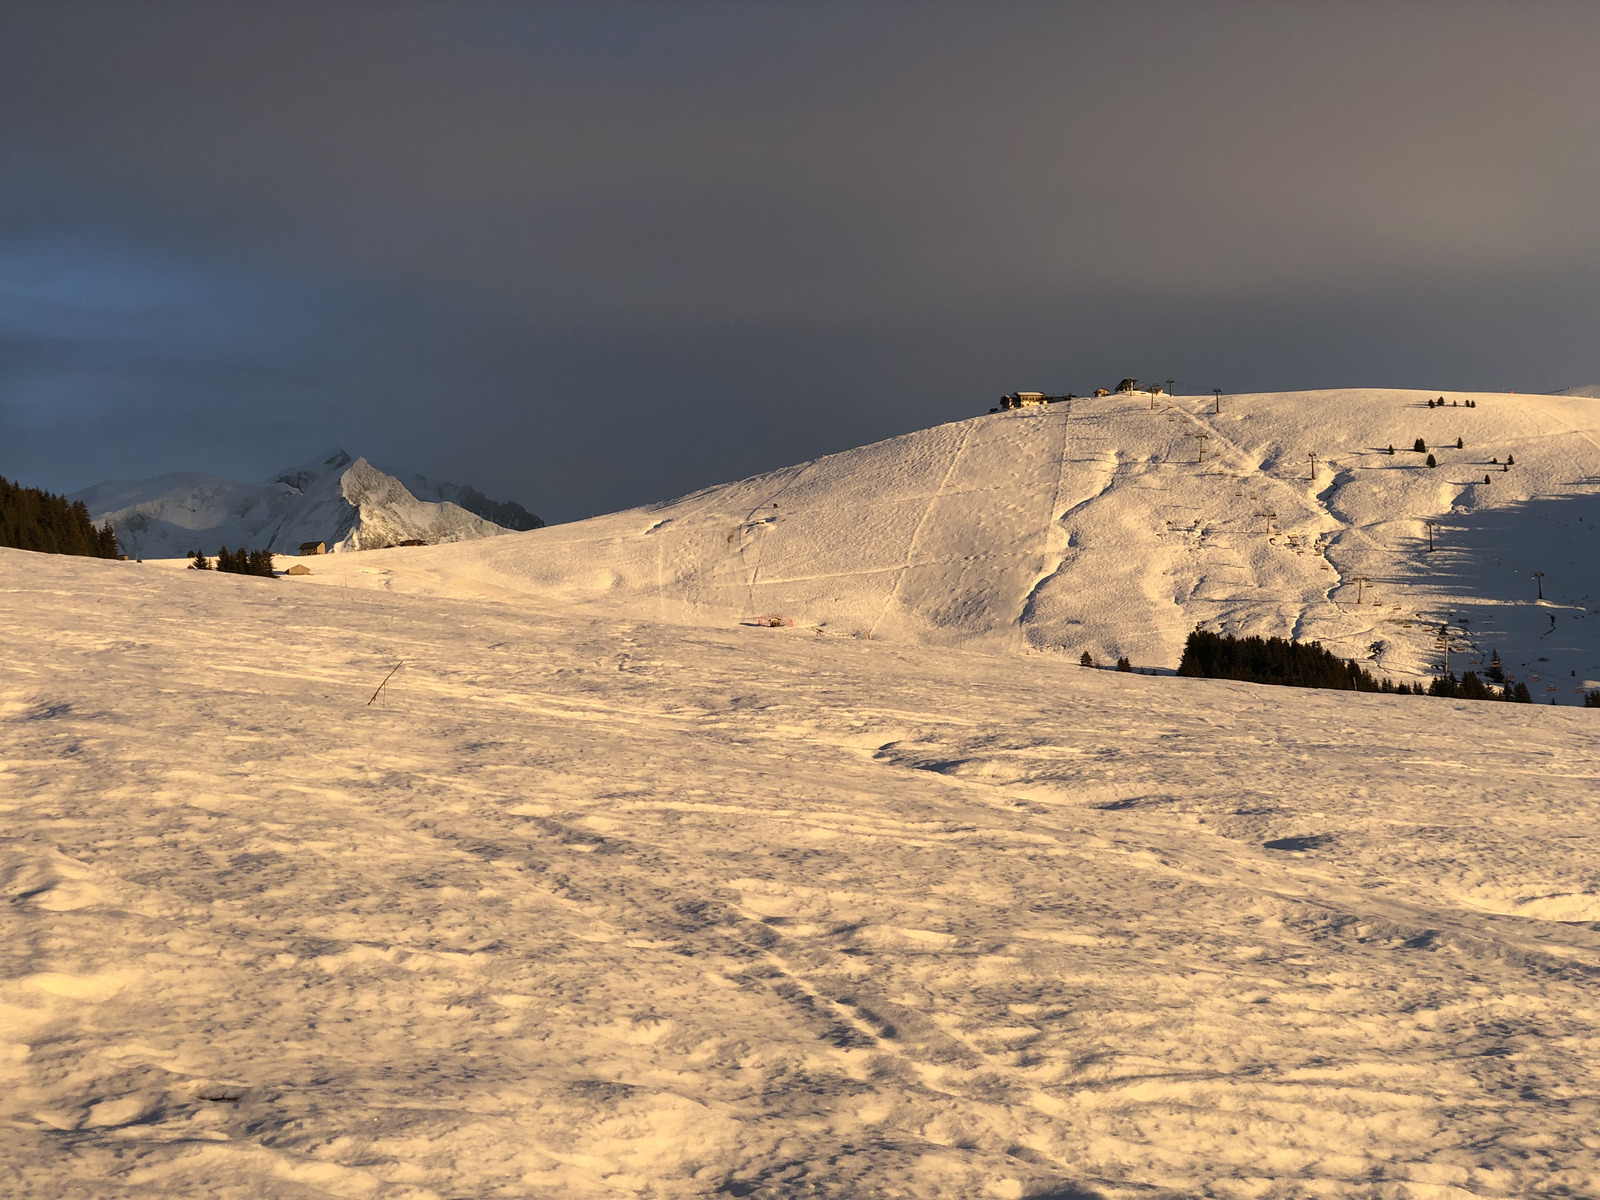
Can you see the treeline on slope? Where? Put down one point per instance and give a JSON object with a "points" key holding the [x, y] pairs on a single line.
{"points": [[237, 562], [33, 519], [1308, 664]]}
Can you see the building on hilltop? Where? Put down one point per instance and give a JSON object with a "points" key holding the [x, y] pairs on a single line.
{"points": [[1028, 400], [313, 548]]}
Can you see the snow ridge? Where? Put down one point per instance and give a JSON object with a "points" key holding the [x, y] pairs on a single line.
{"points": [[1282, 514]]}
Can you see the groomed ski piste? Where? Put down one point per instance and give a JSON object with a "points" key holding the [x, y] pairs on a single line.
{"points": [[1116, 525], [600, 899]]}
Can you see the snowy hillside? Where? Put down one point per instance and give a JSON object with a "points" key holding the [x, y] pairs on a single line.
{"points": [[348, 504], [589, 907], [1099, 528]]}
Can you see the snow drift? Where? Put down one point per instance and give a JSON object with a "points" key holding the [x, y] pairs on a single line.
{"points": [[617, 909]]}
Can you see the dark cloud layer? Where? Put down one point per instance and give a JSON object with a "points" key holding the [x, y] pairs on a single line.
{"points": [[592, 254]]}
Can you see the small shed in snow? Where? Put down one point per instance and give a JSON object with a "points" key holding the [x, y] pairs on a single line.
{"points": [[313, 548], [298, 569]]}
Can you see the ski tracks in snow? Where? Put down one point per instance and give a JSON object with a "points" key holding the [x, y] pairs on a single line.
{"points": [[601, 908], [916, 533]]}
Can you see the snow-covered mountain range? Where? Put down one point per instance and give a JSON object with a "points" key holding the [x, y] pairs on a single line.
{"points": [[346, 503], [1116, 525]]}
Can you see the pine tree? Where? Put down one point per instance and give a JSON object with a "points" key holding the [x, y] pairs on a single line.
{"points": [[33, 519], [1511, 460], [1124, 665], [1420, 446], [1086, 659], [1460, 445], [1431, 461]]}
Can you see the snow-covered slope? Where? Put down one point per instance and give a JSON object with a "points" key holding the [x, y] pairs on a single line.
{"points": [[1099, 528], [348, 504], [585, 909]]}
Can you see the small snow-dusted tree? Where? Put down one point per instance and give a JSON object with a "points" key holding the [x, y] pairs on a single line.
{"points": [[1086, 659], [1391, 448], [200, 562], [1430, 403], [1124, 665], [1511, 460], [1420, 446], [1432, 462], [1460, 445]]}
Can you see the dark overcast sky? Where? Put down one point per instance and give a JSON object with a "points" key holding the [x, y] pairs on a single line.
{"points": [[588, 255]]}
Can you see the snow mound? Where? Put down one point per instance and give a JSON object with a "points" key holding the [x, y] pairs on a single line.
{"points": [[346, 503], [1116, 525]]}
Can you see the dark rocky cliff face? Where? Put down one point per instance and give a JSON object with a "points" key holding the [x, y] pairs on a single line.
{"points": [[506, 513]]}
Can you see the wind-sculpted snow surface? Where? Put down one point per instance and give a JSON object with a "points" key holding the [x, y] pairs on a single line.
{"points": [[590, 906], [1099, 528], [348, 504]]}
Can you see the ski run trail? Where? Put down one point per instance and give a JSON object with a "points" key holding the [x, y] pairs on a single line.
{"points": [[608, 894]]}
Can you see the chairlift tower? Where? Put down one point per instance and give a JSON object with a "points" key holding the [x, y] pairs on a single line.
{"points": [[1360, 581], [1445, 642], [1538, 577], [1216, 410], [1430, 525]]}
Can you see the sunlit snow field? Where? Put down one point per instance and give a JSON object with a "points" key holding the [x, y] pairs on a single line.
{"points": [[585, 905]]}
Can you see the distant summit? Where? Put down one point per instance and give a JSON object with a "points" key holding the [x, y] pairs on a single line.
{"points": [[343, 501], [506, 513]]}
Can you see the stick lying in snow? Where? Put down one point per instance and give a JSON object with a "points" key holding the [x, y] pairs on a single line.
{"points": [[385, 682]]}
